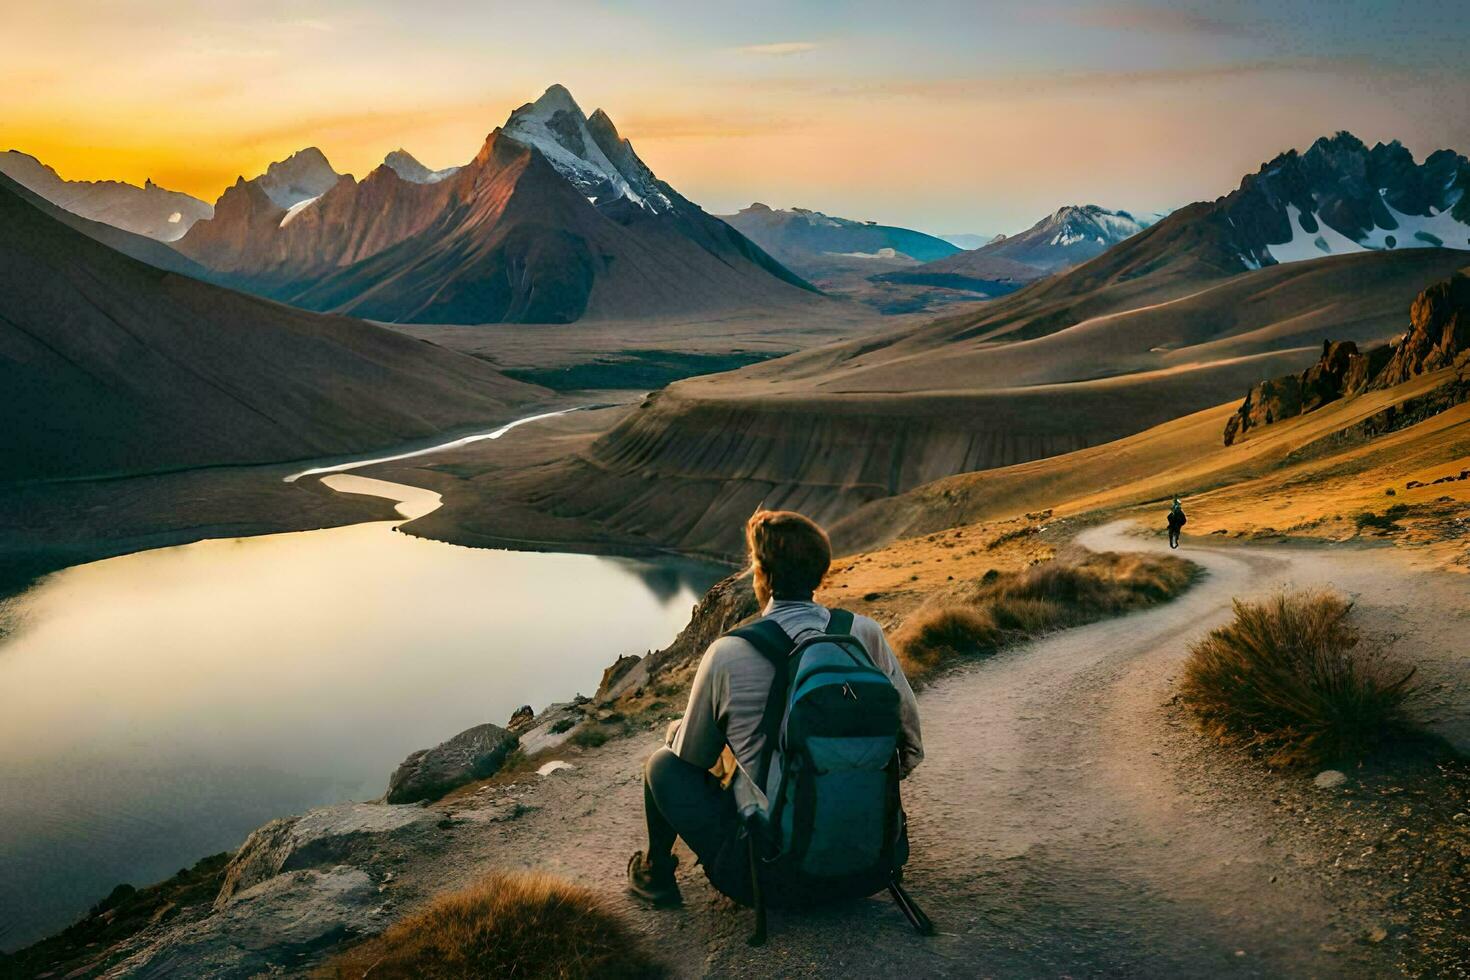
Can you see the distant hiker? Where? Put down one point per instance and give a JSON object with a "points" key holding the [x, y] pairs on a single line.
{"points": [[821, 723], [1176, 521]]}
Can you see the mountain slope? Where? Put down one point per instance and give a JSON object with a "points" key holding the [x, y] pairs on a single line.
{"points": [[109, 366], [149, 210], [140, 247], [555, 220]]}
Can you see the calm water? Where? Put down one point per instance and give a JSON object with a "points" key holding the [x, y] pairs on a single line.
{"points": [[156, 707]]}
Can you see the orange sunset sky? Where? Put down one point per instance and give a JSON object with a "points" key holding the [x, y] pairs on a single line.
{"points": [[948, 117]]}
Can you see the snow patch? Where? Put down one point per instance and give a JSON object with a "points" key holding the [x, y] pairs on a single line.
{"points": [[1436, 229], [176, 217], [297, 208], [1305, 245]]}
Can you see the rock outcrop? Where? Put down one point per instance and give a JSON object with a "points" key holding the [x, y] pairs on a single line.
{"points": [[1439, 329], [428, 774], [327, 835], [1438, 337], [729, 602], [263, 930]]}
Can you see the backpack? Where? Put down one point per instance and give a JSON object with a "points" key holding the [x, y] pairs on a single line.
{"points": [[829, 768]]}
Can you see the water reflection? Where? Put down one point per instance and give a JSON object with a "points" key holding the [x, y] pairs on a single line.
{"points": [[156, 707]]}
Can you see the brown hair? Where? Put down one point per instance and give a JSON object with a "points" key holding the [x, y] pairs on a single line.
{"points": [[789, 554]]}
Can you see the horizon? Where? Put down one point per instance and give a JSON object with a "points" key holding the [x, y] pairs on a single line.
{"points": [[778, 107]]}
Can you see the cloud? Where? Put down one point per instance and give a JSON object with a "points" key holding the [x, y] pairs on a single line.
{"points": [[1024, 84], [1127, 16], [779, 49]]}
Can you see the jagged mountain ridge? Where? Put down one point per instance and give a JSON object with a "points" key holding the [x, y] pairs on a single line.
{"points": [[1340, 196], [560, 222], [152, 211]]}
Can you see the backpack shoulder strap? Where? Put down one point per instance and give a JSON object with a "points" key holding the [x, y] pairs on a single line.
{"points": [[767, 636], [773, 643], [840, 624]]}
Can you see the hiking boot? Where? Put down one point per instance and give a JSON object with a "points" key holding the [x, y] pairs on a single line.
{"points": [[654, 884]]}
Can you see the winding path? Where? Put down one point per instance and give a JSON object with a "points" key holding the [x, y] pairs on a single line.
{"points": [[1058, 829]]}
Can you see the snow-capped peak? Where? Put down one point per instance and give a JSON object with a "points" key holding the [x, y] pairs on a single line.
{"points": [[405, 165], [592, 156], [1075, 223], [304, 174]]}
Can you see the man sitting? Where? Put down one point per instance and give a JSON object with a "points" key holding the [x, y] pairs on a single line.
{"points": [[789, 556]]}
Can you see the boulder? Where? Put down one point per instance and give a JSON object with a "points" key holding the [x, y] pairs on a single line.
{"points": [[553, 726], [1330, 779], [327, 835], [263, 930], [473, 754], [521, 718]]}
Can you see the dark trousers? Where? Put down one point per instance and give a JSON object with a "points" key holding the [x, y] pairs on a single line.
{"points": [[682, 800]]}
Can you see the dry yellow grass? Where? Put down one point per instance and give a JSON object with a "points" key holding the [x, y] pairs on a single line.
{"points": [[1292, 678], [523, 925], [1297, 477], [1007, 607]]}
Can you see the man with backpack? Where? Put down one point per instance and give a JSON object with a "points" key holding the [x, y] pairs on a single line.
{"points": [[1176, 522], [821, 723]]}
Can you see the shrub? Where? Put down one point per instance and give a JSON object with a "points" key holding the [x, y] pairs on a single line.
{"points": [[562, 725], [591, 736], [936, 634], [529, 926], [1006, 607], [1387, 521], [1292, 678]]}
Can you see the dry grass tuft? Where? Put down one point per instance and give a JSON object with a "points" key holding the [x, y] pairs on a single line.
{"points": [[1292, 679], [524, 925], [1005, 608]]}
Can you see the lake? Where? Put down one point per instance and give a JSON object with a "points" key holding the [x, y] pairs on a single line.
{"points": [[156, 707]]}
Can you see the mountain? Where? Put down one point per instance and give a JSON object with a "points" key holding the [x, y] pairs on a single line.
{"points": [[842, 256], [109, 366], [556, 219], [403, 163], [302, 177], [140, 247], [812, 243], [1069, 237], [149, 210]]}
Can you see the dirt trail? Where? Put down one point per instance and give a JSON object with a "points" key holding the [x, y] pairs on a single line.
{"points": [[1062, 823]]}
